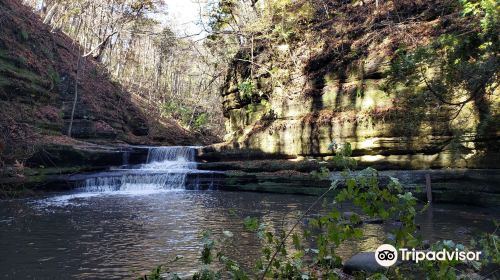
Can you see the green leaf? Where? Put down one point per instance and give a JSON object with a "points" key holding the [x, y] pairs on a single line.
{"points": [[251, 224], [296, 241]]}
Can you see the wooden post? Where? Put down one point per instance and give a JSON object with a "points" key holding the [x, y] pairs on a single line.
{"points": [[428, 187]]}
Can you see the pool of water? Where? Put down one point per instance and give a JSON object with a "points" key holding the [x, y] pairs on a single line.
{"points": [[122, 235]]}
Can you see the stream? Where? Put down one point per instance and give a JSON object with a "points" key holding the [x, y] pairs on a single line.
{"points": [[123, 223]]}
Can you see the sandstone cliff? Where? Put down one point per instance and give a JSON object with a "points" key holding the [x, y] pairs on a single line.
{"points": [[329, 84]]}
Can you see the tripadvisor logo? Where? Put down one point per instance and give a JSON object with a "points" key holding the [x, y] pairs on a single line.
{"points": [[386, 255]]}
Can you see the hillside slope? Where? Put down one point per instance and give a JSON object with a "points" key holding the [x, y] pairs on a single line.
{"points": [[38, 67], [326, 80]]}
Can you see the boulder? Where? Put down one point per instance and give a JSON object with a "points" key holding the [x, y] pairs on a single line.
{"points": [[363, 262], [348, 214]]}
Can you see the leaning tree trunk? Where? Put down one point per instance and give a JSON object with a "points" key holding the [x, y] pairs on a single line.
{"points": [[51, 14], [75, 99]]}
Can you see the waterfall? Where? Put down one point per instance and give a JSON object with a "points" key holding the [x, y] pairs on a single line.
{"points": [[125, 157], [171, 158], [166, 168], [162, 154]]}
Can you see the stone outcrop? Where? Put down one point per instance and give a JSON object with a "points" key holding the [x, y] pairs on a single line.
{"points": [[56, 166], [328, 91], [459, 186]]}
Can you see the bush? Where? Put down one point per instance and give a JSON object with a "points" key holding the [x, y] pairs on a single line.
{"points": [[187, 116], [246, 89]]}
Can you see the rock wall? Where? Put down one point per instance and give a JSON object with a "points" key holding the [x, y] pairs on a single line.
{"points": [[330, 86]]}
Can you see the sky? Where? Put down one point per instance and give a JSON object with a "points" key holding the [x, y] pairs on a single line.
{"points": [[184, 16]]}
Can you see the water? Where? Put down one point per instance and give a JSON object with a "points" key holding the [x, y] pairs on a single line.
{"points": [[166, 168], [122, 223], [121, 236]]}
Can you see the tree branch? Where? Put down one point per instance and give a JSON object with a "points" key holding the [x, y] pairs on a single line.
{"points": [[441, 98], [103, 43]]}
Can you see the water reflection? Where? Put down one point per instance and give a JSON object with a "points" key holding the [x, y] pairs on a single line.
{"points": [[122, 236]]}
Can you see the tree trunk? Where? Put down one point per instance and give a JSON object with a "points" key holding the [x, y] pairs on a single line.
{"points": [[51, 14], [75, 99]]}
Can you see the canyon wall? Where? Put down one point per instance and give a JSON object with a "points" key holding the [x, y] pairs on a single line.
{"points": [[330, 85]]}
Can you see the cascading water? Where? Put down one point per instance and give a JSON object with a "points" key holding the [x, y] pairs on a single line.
{"points": [[171, 158], [166, 168]]}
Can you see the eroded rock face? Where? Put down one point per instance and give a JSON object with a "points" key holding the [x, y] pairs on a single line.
{"points": [[378, 131], [457, 186], [329, 95]]}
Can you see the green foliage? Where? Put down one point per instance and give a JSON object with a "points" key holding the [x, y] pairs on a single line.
{"points": [[278, 19], [231, 267], [287, 17], [208, 245], [206, 274], [488, 244], [442, 269], [155, 274], [200, 120], [188, 116], [454, 70], [162, 272], [389, 202], [322, 174], [487, 12], [246, 89], [451, 269], [221, 14], [333, 229], [342, 155], [252, 108], [251, 224], [177, 111], [277, 261]]}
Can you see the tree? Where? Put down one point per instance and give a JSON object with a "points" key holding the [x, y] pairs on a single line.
{"points": [[148, 58]]}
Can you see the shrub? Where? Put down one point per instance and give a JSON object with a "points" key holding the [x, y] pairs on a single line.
{"points": [[246, 89]]}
